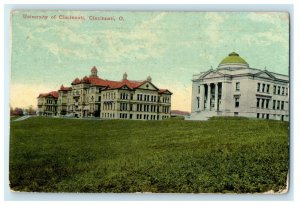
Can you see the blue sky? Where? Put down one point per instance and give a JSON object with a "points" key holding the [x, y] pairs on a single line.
{"points": [[168, 46]]}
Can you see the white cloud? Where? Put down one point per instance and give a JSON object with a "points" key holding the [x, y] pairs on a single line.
{"points": [[268, 17], [140, 43], [213, 32]]}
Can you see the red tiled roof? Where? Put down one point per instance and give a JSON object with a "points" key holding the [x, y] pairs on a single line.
{"points": [[63, 88], [110, 84], [129, 83], [161, 91], [53, 94], [76, 81]]}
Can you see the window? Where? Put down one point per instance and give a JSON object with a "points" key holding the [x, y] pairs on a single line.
{"points": [[278, 90], [257, 102], [262, 103], [278, 104], [263, 115], [263, 87], [282, 105], [274, 104], [257, 115], [198, 102], [237, 86], [274, 89], [237, 101], [268, 88], [198, 89], [258, 87], [283, 88], [236, 114], [267, 103], [267, 116]]}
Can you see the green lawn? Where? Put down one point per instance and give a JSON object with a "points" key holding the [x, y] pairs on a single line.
{"points": [[220, 155], [14, 118]]}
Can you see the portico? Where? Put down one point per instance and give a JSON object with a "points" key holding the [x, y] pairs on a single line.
{"points": [[235, 89], [210, 96]]}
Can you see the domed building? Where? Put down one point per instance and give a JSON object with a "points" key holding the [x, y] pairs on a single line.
{"points": [[236, 89], [233, 61]]}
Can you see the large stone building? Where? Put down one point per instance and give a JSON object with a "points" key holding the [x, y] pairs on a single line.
{"points": [[235, 89], [95, 97], [47, 103]]}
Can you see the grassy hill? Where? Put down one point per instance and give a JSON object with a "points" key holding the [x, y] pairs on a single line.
{"points": [[220, 155]]}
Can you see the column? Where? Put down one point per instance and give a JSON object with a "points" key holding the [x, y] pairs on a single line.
{"points": [[208, 96], [216, 97], [202, 95]]}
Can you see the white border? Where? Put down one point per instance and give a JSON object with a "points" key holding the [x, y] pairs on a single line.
{"points": [[154, 197]]}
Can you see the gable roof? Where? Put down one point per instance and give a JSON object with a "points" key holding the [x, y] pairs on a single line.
{"points": [[110, 84], [211, 71], [107, 83], [53, 94], [146, 81], [165, 91], [63, 88], [119, 84], [264, 72]]}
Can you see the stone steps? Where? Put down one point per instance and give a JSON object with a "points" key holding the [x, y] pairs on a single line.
{"points": [[203, 115]]}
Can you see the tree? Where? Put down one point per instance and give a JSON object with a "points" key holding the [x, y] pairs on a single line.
{"points": [[31, 110], [18, 111], [11, 110]]}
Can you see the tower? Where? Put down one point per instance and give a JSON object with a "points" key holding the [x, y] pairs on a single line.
{"points": [[94, 72], [125, 76], [149, 79]]}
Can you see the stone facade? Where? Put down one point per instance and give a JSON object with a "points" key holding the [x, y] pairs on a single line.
{"points": [[47, 103], [126, 99], [235, 89]]}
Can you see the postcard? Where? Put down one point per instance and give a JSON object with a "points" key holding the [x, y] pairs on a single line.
{"points": [[149, 102]]}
